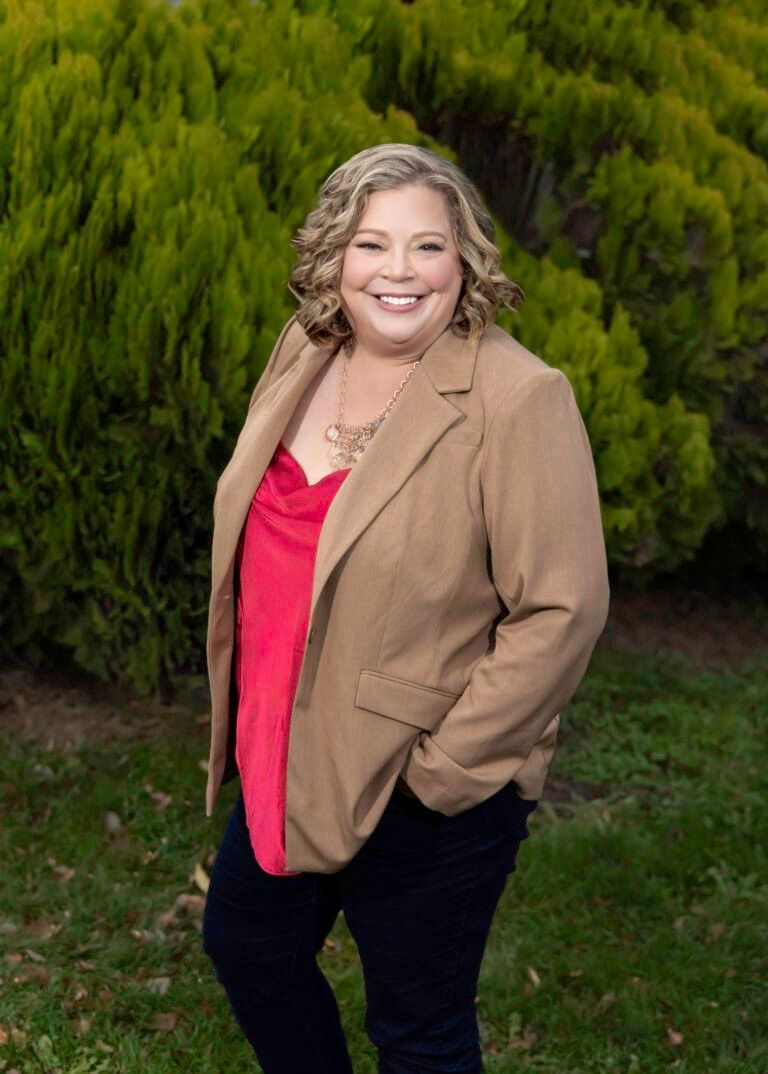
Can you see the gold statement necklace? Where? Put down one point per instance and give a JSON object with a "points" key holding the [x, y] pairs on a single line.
{"points": [[348, 442]]}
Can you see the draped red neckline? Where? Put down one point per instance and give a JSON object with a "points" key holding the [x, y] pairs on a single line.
{"points": [[275, 567]]}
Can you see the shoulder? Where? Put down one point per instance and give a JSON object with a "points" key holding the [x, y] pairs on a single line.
{"points": [[507, 372], [290, 343], [503, 362]]}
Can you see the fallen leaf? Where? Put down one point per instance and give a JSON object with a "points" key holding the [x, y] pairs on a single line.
{"points": [[3, 1036], [160, 800], [104, 1047], [203, 765], [166, 919], [715, 931], [14, 958], [605, 1001], [205, 718], [159, 985], [41, 928], [534, 977], [674, 1037], [36, 973], [194, 903], [526, 1041], [112, 822], [201, 878], [147, 936], [164, 1020], [34, 955]]}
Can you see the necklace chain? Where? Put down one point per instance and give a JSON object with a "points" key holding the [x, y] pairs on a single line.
{"points": [[348, 442]]}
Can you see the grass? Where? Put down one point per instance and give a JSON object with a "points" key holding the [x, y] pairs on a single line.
{"points": [[632, 937]]}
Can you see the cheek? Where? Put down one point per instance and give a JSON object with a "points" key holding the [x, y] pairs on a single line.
{"points": [[353, 274], [444, 277]]}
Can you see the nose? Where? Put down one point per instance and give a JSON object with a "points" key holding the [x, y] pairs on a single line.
{"points": [[398, 265]]}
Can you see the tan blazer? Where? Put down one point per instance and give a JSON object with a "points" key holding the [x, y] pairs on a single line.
{"points": [[460, 585]]}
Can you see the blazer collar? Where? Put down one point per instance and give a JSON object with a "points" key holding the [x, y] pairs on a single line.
{"points": [[418, 419]]}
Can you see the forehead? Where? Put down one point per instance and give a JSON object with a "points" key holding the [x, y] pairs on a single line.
{"points": [[406, 209]]}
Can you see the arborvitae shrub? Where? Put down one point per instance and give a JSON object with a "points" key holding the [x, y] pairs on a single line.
{"points": [[154, 163]]}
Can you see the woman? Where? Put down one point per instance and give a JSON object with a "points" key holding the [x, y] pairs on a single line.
{"points": [[409, 576]]}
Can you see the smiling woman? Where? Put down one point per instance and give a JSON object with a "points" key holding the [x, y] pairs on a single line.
{"points": [[408, 579], [399, 274]]}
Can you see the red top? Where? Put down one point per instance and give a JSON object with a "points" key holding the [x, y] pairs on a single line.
{"points": [[275, 569]]}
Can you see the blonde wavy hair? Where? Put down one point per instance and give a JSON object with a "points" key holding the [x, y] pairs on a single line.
{"points": [[315, 280]]}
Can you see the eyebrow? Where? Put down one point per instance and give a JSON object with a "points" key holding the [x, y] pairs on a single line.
{"points": [[416, 234]]}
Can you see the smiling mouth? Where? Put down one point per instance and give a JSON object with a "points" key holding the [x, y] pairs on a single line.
{"points": [[398, 303]]}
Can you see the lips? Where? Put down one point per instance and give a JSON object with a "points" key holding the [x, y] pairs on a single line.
{"points": [[399, 307]]}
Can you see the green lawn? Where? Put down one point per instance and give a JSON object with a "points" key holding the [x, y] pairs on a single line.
{"points": [[632, 937]]}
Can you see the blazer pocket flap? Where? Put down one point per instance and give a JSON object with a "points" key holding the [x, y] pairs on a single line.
{"points": [[399, 699]]}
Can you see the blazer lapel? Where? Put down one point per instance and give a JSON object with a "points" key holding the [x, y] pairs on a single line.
{"points": [[418, 419], [256, 445]]}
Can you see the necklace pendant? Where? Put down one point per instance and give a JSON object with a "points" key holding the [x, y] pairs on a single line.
{"points": [[332, 432]]}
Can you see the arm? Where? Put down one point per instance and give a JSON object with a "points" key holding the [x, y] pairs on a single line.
{"points": [[542, 516]]}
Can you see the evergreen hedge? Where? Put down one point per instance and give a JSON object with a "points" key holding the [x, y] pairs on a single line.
{"points": [[155, 161]]}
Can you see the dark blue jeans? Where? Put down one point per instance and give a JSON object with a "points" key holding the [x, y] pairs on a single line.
{"points": [[418, 898]]}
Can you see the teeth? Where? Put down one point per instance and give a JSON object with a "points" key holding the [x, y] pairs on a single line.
{"points": [[408, 301]]}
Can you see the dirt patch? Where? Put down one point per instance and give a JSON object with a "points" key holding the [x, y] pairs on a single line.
{"points": [[62, 709], [714, 634]]}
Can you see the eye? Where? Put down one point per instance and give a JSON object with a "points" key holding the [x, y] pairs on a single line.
{"points": [[433, 245]]}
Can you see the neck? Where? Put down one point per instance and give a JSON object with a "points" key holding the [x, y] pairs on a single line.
{"points": [[377, 364]]}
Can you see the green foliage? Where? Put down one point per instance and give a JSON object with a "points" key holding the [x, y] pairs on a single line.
{"points": [[155, 169], [155, 161], [623, 139]]}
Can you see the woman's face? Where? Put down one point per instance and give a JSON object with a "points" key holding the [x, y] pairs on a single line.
{"points": [[403, 249]]}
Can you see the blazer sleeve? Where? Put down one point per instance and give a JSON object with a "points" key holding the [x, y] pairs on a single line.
{"points": [[548, 563]]}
